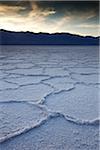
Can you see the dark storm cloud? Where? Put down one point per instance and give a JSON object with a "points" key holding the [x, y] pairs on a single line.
{"points": [[11, 4], [76, 7], [14, 3]]}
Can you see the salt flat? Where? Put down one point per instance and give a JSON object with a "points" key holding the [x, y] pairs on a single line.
{"points": [[49, 97]]}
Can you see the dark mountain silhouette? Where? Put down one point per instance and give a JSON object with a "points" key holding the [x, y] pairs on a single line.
{"points": [[29, 38]]}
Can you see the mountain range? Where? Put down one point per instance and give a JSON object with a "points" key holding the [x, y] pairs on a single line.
{"points": [[30, 38]]}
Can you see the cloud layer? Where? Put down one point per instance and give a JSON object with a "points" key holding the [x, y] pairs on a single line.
{"points": [[50, 16]]}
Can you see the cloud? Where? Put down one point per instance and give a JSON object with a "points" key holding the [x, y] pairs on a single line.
{"points": [[38, 11], [34, 20], [10, 10], [89, 26], [48, 16]]}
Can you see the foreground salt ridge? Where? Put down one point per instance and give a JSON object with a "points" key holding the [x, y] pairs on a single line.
{"points": [[48, 114], [26, 128], [58, 73], [52, 135]]}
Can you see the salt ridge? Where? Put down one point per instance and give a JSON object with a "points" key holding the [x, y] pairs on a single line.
{"points": [[50, 115]]}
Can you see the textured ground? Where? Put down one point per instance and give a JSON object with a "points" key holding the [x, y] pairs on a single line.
{"points": [[49, 98]]}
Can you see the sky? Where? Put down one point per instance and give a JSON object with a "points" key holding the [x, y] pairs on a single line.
{"points": [[76, 17]]}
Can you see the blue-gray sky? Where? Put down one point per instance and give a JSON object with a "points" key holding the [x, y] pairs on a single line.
{"points": [[77, 17]]}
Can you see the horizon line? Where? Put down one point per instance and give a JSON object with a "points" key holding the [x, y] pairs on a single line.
{"points": [[50, 33]]}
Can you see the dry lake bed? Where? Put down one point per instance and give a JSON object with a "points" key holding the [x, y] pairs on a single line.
{"points": [[49, 98]]}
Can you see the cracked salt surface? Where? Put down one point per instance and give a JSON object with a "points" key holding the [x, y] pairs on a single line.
{"points": [[35, 93], [5, 86], [52, 94], [26, 80], [2, 74], [84, 71], [56, 134], [17, 118], [60, 83], [32, 71], [87, 79], [80, 102], [57, 71]]}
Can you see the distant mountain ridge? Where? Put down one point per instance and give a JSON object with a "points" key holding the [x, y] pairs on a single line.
{"points": [[30, 38]]}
